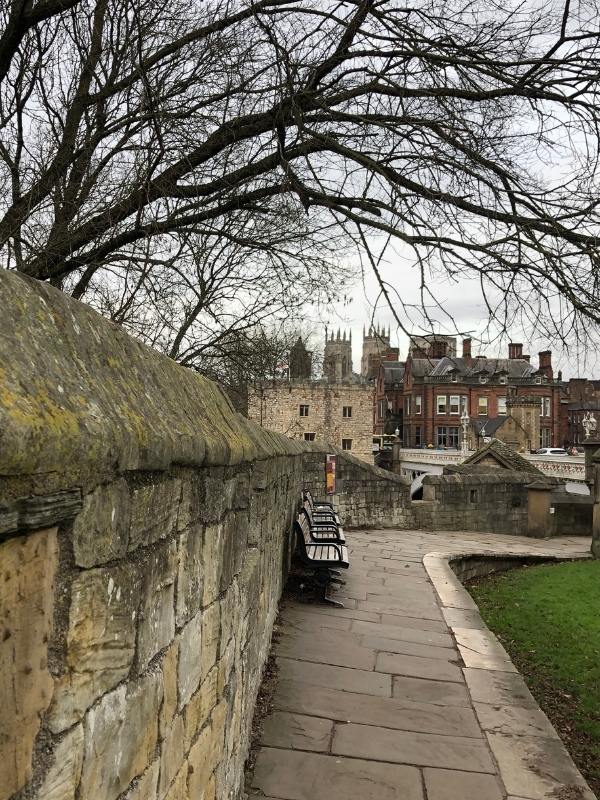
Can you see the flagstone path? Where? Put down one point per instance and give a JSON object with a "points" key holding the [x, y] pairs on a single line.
{"points": [[404, 694]]}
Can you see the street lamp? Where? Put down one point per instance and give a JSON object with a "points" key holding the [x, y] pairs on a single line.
{"points": [[464, 421]]}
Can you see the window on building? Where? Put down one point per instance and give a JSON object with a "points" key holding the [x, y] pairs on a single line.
{"points": [[309, 437], [546, 409], [346, 444], [303, 411], [502, 406], [455, 404], [347, 412], [441, 403], [483, 379], [538, 379], [418, 404], [482, 406], [447, 436], [418, 440], [502, 379], [545, 437], [464, 403], [407, 406]]}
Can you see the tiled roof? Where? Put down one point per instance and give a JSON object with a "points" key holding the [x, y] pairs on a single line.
{"points": [[505, 456], [423, 366], [513, 367], [393, 371], [487, 426]]}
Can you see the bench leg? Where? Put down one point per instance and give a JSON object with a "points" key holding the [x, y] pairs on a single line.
{"points": [[339, 581], [322, 582]]}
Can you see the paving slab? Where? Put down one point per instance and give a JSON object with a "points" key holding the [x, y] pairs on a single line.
{"points": [[444, 784], [421, 749], [400, 712], [297, 732], [292, 775], [346, 679], [405, 694], [440, 693], [403, 633], [433, 668]]}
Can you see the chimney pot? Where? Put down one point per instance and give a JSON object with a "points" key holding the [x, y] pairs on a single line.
{"points": [[466, 348], [515, 350]]}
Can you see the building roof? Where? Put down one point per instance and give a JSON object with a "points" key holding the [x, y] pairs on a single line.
{"points": [[393, 371], [487, 426], [512, 367], [505, 456], [421, 367]]}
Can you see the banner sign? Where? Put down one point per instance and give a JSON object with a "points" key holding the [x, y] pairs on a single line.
{"points": [[330, 473]]}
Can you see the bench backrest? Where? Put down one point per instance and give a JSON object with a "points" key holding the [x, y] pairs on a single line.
{"points": [[306, 511], [309, 499], [303, 527]]}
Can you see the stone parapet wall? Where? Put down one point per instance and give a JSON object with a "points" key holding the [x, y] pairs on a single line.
{"points": [[145, 535], [496, 503]]}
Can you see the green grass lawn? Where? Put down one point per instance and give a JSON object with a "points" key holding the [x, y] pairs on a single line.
{"points": [[548, 618]]}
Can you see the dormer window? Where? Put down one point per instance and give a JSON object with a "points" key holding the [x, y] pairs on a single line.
{"points": [[483, 379], [454, 378], [538, 379], [502, 379]]}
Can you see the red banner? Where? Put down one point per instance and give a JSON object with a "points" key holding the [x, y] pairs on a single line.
{"points": [[330, 465]]}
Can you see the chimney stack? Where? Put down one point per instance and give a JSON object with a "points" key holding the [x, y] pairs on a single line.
{"points": [[466, 348], [515, 350], [546, 363]]}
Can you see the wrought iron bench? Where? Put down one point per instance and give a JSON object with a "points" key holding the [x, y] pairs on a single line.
{"points": [[324, 557]]}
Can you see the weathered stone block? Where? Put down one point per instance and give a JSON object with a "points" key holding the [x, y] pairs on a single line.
{"points": [[199, 708], [211, 630], [154, 510], [212, 550], [203, 760], [27, 570], [171, 754], [178, 790], [100, 641], [62, 778], [235, 542], [101, 528], [169, 681], [190, 575], [157, 611], [121, 732], [145, 787], [189, 667]]}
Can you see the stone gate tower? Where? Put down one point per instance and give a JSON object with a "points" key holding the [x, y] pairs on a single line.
{"points": [[337, 364], [376, 342]]}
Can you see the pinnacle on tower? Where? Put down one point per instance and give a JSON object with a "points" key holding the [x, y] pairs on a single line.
{"points": [[338, 335]]}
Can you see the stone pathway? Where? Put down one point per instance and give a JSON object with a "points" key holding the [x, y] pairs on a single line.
{"points": [[404, 693]]}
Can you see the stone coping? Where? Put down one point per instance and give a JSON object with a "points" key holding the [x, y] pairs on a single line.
{"points": [[532, 760]]}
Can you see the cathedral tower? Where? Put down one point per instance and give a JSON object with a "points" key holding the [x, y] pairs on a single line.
{"points": [[337, 364]]}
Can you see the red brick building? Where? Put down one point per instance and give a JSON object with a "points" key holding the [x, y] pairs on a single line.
{"points": [[580, 396], [435, 389], [388, 398]]}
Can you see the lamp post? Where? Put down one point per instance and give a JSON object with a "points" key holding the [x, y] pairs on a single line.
{"points": [[464, 421]]}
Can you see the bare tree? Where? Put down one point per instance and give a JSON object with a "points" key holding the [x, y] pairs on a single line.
{"points": [[466, 130]]}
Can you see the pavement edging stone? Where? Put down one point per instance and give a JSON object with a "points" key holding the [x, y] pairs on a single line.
{"points": [[532, 761]]}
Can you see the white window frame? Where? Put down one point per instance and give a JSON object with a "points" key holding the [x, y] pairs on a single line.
{"points": [[301, 409], [444, 399], [347, 412], [419, 404], [502, 404], [481, 413], [407, 405], [457, 404]]}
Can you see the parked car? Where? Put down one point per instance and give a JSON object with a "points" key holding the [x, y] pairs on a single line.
{"points": [[551, 451]]}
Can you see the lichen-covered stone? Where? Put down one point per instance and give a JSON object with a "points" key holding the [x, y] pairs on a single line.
{"points": [[145, 786], [101, 529], [121, 732], [62, 778], [157, 611], [211, 629], [27, 571], [100, 641]]}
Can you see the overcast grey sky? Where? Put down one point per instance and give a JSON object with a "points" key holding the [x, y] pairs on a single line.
{"points": [[463, 301]]}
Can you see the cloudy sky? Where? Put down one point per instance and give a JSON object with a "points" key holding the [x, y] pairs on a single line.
{"points": [[463, 302]]}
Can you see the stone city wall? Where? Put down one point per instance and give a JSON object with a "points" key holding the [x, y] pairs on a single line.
{"points": [[145, 535], [487, 503]]}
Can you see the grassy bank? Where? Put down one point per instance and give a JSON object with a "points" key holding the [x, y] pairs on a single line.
{"points": [[548, 618]]}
